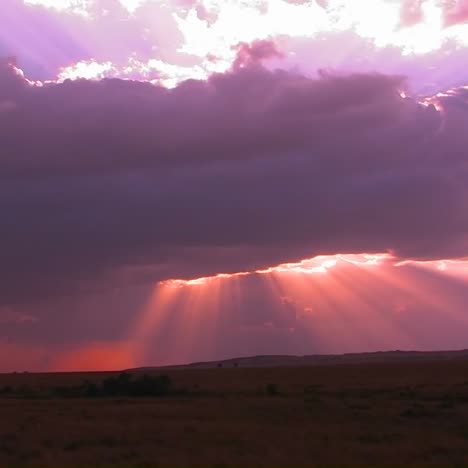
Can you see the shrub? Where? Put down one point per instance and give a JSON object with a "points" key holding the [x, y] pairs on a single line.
{"points": [[150, 386], [91, 390], [272, 389], [122, 385], [117, 386], [125, 385]]}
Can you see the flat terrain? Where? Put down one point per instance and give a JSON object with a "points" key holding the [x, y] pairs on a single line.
{"points": [[366, 414]]}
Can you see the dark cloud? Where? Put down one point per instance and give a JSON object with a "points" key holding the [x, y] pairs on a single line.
{"points": [[127, 182]]}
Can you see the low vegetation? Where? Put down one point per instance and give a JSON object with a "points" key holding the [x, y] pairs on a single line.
{"points": [[122, 385], [403, 415]]}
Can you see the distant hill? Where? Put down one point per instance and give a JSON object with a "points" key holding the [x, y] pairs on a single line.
{"points": [[325, 359]]}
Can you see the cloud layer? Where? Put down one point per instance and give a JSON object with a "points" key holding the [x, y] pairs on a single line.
{"points": [[245, 170]]}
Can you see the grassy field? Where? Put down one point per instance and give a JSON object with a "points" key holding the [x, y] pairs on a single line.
{"points": [[405, 414]]}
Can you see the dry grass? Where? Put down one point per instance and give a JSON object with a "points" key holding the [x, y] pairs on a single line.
{"points": [[409, 414]]}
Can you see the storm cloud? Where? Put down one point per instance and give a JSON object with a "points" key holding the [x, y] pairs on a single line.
{"points": [[111, 179]]}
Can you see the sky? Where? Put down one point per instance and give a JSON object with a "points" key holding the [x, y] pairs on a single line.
{"points": [[190, 180]]}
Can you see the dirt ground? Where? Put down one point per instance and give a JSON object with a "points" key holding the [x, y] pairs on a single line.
{"points": [[405, 414]]}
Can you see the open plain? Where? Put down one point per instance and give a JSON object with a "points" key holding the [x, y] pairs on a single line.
{"points": [[387, 413]]}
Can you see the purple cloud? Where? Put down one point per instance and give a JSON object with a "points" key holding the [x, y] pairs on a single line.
{"points": [[246, 170]]}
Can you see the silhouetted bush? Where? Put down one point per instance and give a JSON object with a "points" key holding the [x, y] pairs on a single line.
{"points": [[151, 386], [68, 392], [91, 390], [117, 386], [25, 391], [125, 385], [122, 385], [272, 389]]}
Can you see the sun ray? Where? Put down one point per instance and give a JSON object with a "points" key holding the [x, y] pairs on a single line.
{"points": [[345, 302], [152, 317]]}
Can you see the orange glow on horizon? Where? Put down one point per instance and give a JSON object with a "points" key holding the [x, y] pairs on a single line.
{"points": [[95, 357]]}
